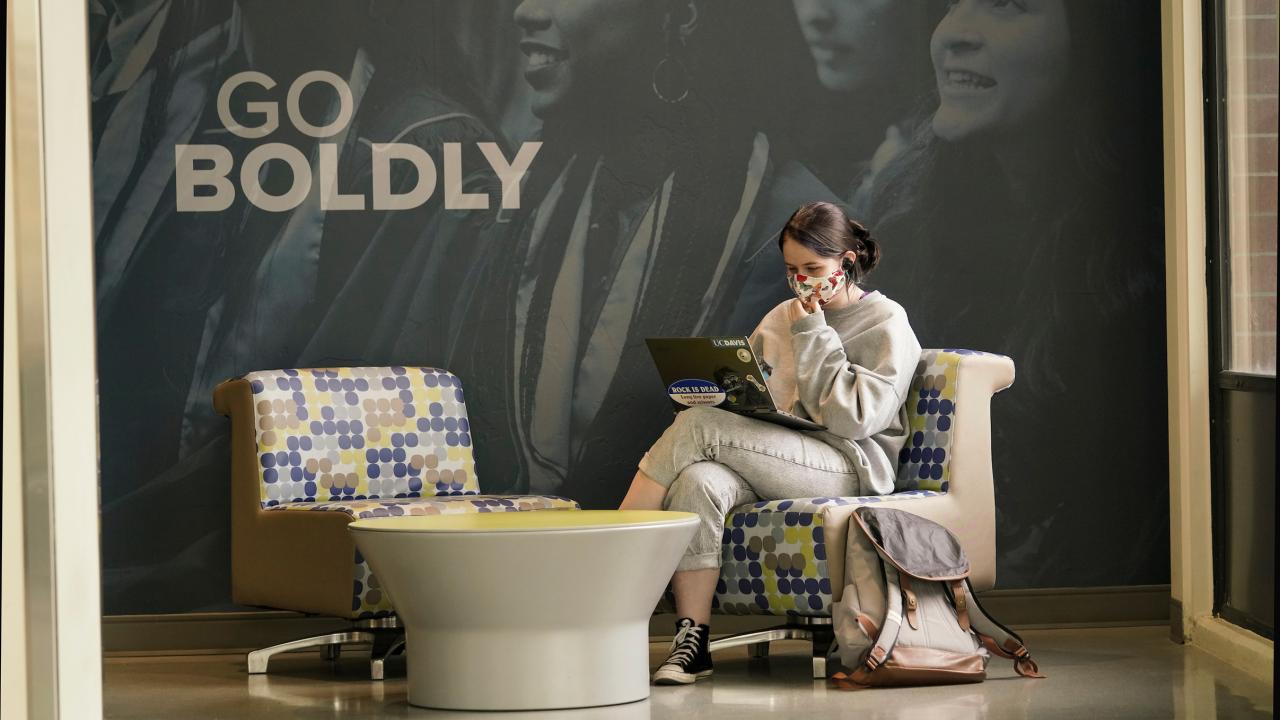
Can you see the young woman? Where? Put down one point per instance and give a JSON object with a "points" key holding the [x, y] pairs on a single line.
{"points": [[836, 354]]}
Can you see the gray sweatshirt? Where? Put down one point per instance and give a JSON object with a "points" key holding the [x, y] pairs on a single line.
{"points": [[849, 369]]}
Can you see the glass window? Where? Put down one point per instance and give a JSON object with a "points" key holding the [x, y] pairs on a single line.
{"points": [[1249, 55]]}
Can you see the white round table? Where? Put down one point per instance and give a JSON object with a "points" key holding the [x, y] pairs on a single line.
{"points": [[526, 610]]}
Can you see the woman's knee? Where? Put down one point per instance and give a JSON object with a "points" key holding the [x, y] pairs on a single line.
{"points": [[699, 422], [702, 487]]}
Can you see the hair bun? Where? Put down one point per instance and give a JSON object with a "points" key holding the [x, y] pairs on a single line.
{"points": [[858, 230], [868, 255], [866, 246]]}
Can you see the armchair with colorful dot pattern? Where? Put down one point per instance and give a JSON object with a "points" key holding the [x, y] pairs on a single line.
{"points": [[786, 558], [311, 451]]}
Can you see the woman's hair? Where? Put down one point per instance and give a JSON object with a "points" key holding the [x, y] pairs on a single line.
{"points": [[827, 230]]}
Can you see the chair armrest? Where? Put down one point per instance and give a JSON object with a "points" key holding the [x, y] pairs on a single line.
{"points": [[989, 371], [225, 391]]}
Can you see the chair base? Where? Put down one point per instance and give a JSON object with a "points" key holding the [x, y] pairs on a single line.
{"points": [[384, 635], [818, 630]]}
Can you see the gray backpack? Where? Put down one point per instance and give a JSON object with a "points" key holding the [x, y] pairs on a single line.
{"points": [[909, 615]]}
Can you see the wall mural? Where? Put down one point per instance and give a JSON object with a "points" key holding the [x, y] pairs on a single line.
{"points": [[521, 192]]}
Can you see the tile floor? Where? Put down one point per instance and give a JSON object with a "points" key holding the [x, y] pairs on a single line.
{"points": [[1093, 674]]}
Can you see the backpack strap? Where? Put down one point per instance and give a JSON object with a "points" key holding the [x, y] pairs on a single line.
{"points": [[892, 621], [959, 598], [911, 611], [995, 637]]}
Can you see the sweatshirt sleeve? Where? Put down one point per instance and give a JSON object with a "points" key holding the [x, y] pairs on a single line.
{"points": [[855, 397], [756, 340]]}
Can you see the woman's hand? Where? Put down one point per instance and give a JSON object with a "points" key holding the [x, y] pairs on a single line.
{"points": [[811, 305]]}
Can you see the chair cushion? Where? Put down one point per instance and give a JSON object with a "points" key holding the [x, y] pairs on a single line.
{"points": [[367, 598], [774, 558], [359, 433], [454, 505]]}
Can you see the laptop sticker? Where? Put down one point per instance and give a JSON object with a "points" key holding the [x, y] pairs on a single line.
{"points": [[744, 356], [728, 342], [693, 393]]}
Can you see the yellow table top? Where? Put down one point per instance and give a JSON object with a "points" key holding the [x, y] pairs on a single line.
{"points": [[522, 521]]}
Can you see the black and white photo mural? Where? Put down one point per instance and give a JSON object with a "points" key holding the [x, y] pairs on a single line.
{"points": [[521, 192]]}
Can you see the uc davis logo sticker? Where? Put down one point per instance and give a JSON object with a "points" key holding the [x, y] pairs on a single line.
{"points": [[693, 393], [728, 342]]}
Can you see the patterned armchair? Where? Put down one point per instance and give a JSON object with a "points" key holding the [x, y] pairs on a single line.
{"points": [[787, 557], [311, 451]]}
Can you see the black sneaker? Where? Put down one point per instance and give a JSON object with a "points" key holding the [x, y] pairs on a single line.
{"points": [[690, 658]]}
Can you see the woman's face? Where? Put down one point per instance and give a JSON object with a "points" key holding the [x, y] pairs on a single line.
{"points": [[853, 42], [997, 62], [576, 48], [803, 262]]}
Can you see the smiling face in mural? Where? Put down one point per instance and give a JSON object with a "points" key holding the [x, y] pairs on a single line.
{"points": [[579, 49], [997, 63], [852, 41]]}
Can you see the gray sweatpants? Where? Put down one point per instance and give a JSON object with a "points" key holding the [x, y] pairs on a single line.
{"points": [[712, 461]]}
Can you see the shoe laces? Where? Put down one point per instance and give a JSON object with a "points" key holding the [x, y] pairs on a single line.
{"points": [[685, 646]]}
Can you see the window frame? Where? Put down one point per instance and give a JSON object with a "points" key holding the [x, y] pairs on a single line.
{"points": [[1222, 379]]}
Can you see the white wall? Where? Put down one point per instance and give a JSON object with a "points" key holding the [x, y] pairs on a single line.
{"points": [[50, 442], [13, 635]]}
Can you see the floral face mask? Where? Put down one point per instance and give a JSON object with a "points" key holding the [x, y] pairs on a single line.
{"points": [[804, 286]]}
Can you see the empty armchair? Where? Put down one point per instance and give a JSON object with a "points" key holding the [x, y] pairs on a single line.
{"points": [[313, 450]]}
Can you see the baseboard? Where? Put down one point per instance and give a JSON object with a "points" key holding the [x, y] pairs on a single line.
{"points": [[205, 633], [1235, 645], [1118, 606], [230, 632]]}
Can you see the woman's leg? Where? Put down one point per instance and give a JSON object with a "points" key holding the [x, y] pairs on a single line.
{"points": [[713, 461], [645, 494], [711, 496], [775, 462], [694, 590], [710, 461], [710, 491]]}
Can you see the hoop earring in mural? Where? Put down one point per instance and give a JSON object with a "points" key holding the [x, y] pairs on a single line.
{"points": [[671, 77], [671, 80]]}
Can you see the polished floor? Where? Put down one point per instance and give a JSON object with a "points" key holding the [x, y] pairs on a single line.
{"points": [[1093, 674]]}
